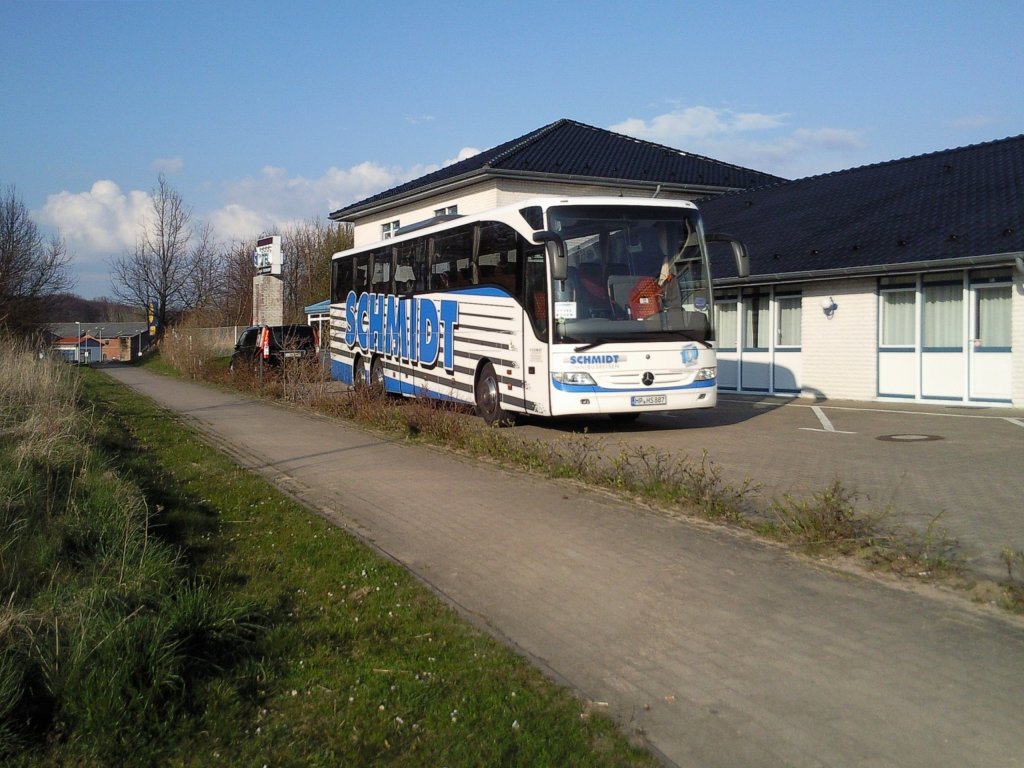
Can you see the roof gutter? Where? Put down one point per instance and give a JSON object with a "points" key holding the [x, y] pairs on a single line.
{"points": [[1015, 258]]}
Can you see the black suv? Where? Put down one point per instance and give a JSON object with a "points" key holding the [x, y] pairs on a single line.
{"points": [[287, 342]]}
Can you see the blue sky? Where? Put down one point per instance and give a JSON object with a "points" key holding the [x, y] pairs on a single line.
{"points": [[263, 114]]}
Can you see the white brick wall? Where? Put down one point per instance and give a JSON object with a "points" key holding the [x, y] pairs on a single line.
{"points": [[839, 355]]}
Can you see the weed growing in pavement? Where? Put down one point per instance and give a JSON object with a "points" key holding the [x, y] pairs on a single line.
{"points": [[1013, 587], [827, 521], [932, 553]]}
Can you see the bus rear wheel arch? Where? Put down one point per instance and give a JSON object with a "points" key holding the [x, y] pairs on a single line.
{"points": [[487, 393]]}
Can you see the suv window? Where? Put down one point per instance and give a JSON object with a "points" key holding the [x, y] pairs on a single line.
{"points": [[299, 336]]}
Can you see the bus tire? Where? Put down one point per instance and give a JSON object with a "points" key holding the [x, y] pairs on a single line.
{"points": [[359, 372], [378, 384], [488, 398]]}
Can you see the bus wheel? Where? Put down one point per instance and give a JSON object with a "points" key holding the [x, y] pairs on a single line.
{"points": [[359, 373], [377, 382], [488, 398]]}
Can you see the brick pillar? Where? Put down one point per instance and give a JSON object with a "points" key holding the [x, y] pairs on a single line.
{"points": [[267, 300]]}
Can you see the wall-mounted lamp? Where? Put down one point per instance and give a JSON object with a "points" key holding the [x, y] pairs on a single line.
{"points": [[829, 307]]}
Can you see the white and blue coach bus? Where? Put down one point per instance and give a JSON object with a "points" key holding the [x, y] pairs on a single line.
{"points": [[552, 307]]}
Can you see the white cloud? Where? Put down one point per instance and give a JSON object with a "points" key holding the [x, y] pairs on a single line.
{"points": [[696, 123], [464, 154], [169, 164], [97, 224], [102, 220], [273, 199], [751, 139], [105, 221]]}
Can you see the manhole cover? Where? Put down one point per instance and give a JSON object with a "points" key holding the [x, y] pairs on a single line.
{"points": [[908, 438]]}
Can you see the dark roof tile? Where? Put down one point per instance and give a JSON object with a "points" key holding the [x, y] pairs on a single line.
{"points": [[953, 204], [569, 148]]}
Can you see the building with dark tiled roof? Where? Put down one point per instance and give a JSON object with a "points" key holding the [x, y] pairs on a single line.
{"points": [[562, 158], [898, 280]]}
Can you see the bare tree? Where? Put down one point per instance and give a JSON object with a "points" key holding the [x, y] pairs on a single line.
{"points": [[308, 248], [32, 267], [173, 265]]}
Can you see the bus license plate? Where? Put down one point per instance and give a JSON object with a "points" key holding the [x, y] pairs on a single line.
{"points": [[649, 399]]}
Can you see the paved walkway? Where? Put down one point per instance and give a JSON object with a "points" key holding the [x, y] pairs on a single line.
{"points": [[721, 650]]}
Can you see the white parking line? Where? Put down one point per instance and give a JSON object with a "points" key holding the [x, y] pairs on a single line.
{"points": [[767, 404], [826, 424]]}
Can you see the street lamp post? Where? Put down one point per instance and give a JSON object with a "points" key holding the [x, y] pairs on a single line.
{"points": [[78, 348]]}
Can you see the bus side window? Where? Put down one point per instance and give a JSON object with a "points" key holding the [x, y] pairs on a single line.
{"points": [[381, 282], [405, 275], [362, 273], [535, 280], [342, 282]]}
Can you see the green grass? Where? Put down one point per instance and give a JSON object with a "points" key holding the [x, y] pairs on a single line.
{"points": [[234, 627]]}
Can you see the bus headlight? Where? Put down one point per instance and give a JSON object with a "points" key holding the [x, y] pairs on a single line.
{"points": [[579, 378], [705, 374]]}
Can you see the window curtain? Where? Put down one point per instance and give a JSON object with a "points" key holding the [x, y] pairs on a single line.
{"points": [[943, 316], [994, 307], [725, 324], [756, 321], [898, 318], [789, 321]]}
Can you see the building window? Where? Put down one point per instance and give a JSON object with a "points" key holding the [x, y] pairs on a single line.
{"points": [[725, 322], [451, 210], [789, 308], [943, 315], [897, 326], [388, 229], [993, 307], [756, 320]]}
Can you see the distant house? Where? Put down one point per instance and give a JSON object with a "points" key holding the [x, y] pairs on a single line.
{"points": [[901, 280], [99, 341], [74, 349], [562, 158]]}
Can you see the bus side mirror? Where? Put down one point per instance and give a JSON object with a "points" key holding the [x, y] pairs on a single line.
{"points": [[554, 249], [739, 252]]}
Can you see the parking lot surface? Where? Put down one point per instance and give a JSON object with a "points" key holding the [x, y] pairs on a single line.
{"points": [[957, 469]]}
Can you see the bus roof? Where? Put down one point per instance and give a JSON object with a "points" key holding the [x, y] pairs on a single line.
{"points": [[509, 214]]}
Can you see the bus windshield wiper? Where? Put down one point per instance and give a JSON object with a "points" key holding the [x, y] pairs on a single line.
{"points": [[593, 344], [645, 337]]}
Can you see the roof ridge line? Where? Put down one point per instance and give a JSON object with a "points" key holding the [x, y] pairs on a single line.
{"points": [[531, 138]]}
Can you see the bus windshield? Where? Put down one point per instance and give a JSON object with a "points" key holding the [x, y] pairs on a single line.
{"points": [[634, 273]]}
